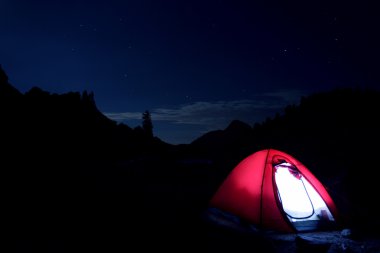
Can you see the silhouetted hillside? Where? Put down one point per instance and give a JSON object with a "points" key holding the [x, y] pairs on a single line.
{"points": [[235, 134], [230, 143], [68, 120], [60, 156]]}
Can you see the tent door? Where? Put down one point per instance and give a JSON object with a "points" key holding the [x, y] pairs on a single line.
{"points": [[301, 203]]}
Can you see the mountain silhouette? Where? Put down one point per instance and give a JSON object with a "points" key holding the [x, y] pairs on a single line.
{"points": [[7, 90], [60, 157], [231, 143], [66, 120], [236, 131], [72, 173]]}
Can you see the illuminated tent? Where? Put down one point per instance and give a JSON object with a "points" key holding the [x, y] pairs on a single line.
{"points": [[274, 191]]}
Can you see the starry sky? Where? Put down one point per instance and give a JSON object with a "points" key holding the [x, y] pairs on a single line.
{"points": [[195, 65]]}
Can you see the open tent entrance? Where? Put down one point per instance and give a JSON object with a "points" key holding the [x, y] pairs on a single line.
{"points": [[301, 203]]}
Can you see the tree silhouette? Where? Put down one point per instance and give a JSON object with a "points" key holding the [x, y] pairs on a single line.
{"points": [[147, 124]]}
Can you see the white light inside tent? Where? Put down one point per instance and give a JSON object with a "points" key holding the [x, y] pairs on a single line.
{"points": [[294, 198], [298, 196], [320, 208]]}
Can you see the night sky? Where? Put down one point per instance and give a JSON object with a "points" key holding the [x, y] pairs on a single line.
{"points": [[195, 65]]}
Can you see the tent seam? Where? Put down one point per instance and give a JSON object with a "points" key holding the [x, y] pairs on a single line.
{"points": [[261, 190]]}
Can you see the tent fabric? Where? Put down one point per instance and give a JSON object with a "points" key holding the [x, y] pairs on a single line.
{"points": [[250, 191]]}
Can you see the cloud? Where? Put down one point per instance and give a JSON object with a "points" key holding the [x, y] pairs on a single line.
{"points": [[218, 114], [120, 116]]}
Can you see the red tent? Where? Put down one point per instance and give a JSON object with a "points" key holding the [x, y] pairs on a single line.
{"points": [[274, 191]]}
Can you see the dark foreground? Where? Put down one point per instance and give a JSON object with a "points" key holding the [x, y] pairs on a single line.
{"points": [[134, 206]]}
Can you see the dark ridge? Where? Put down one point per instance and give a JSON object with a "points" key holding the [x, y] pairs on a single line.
{"points": [[73, 175]]}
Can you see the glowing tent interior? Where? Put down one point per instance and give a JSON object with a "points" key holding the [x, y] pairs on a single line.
{"points": [[274, 191]]}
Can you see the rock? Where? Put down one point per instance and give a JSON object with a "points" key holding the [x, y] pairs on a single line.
{"points": [[347, 233], [310, 244]]}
